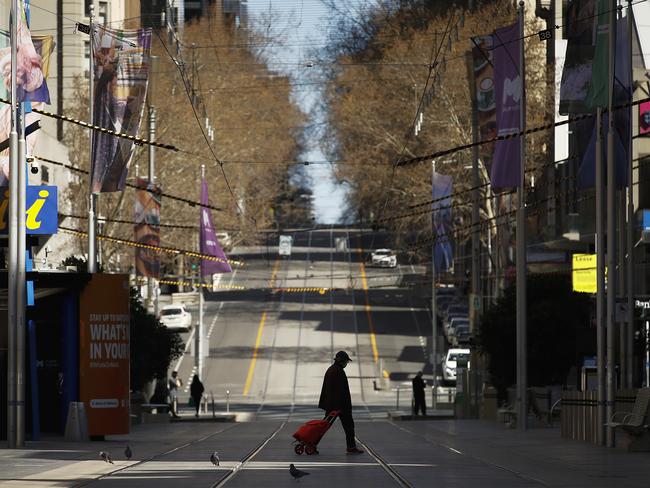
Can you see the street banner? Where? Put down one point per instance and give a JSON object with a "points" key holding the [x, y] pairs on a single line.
{"points": [[121, 70], [580, 29], [441, 221], [104, 352], [597, 95], [147, 228], [34, 55], [622, 123], [208, 240], [508, 90], [584, 276], [484, 93], [41, 217]]}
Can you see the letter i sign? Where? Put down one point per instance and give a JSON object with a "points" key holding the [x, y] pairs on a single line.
{"points": [[41, 216]]}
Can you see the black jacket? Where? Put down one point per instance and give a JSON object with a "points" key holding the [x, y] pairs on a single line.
{"points": [[196, 389], [335, 394], [418, 386]]}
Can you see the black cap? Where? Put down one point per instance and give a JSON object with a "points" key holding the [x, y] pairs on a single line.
{"points": [[342, 356]]}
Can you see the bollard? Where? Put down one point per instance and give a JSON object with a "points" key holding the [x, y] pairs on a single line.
{"points": [[397, 407], [212, 399], [228, 401]]}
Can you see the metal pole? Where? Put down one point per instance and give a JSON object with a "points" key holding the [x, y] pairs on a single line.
{"points": [[611, 231], [92, 198], [434, 313], [629, 339], [647, 353], [600, 277], [521, 243], [21, 275], [152, 298], [21, 291], [476, 265], [198, 336], [13, 238]]}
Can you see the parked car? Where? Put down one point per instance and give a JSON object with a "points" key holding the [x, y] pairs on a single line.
{"points": [[176, 317], [460, 334], [456, 309], [384, 258], [452, 323], [225, 240], [449, 364]]}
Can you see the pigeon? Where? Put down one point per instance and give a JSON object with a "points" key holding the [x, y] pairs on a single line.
{"points": [[296, 473], [127, 452], [214, 458], [106, 457]]}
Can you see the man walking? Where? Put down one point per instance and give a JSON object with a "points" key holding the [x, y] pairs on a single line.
{"points": [[419, 402], [172, 385], [335, 395]]}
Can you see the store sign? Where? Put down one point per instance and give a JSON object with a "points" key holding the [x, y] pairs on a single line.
{"points": [[104, 352], [42, 210], [584, 276]]}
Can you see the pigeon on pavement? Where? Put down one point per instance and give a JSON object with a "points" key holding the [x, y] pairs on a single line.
{"points": [[214, 458], [296, 473], [106, 457], [127, 452]]}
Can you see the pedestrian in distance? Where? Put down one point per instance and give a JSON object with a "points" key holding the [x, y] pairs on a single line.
{"points": [[196, 390], [335, 395], [419, 402], [173, 385]]}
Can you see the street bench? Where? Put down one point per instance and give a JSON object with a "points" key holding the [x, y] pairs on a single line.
{"points": [[150, 407], [634, 424], [508, 413]]}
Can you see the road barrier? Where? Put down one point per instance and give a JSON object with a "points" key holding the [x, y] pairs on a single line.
{"points": [[579, 417]]}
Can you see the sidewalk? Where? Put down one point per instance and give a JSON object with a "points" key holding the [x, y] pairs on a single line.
{"points": [[438, 453], [537, 457]]}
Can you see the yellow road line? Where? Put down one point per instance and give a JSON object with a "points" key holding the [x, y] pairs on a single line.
{"points": [[251, 368], [364, 284], [260, 330]]}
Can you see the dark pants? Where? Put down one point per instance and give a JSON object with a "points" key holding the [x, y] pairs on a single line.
{"points": [[197, 402], [348, 426], [419, 404]]}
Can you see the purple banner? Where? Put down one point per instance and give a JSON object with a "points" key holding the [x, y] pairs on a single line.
{"points": [[508, 90], [208, 240], [441, 219]]}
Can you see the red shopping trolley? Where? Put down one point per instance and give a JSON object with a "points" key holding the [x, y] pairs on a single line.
{"points": [[309, 434]]}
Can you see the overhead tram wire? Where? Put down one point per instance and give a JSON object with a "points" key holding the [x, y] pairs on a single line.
{"points": [[191, 203], [180, 66], [158, 249], [433, 64], [532, 130]]}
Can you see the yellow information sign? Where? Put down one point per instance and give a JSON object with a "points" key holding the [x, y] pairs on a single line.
{"points": [[584, 273]]}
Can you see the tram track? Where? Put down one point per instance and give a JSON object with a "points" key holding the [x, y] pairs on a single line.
{"points": [[230, 475]]}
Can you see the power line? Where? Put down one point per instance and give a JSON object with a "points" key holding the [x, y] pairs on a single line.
{"points": [[137, 140], [180, 67], [539, 128], [158, 249], [169, 196]]}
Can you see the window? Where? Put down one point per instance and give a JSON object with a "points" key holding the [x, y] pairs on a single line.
{"points": [[101, 11], [45, 175]]}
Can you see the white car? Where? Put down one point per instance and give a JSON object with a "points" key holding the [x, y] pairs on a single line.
{"points": [[225, 240], [449, 364], [176, 317], [384, 258]]}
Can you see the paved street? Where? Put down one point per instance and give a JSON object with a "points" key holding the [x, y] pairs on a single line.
{"points": [[455, 454], [271, 348]]}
